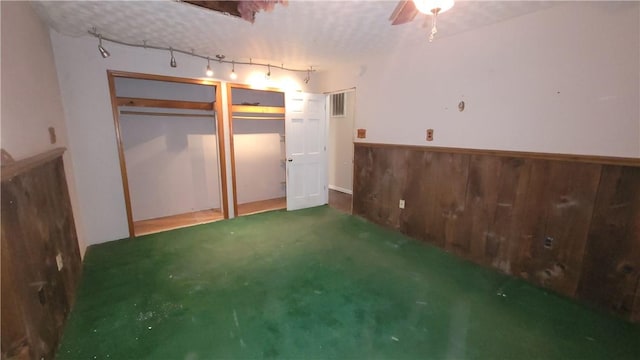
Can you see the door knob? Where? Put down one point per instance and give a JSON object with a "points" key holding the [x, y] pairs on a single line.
{"points": [[289, 160]]}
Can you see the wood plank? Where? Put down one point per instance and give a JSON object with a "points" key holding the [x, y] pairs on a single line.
{"points": [[611, 269], [155, 113], [434, 194], [165, 223], [251, 109], [608, 160], [37, 228], [381, 177], [558, 204], [486, 230], [21, 166], [404, 12], [255, 207], [161, 103]]}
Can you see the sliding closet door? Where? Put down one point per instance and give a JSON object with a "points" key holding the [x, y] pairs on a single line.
{"points": [[305, 128]]}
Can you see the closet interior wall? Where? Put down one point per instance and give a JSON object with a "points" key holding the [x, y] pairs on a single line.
{"points": [[258, 148], [169, 139]]}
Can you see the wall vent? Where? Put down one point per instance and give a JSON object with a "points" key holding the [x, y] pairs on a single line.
{"points": [[338, 105]]}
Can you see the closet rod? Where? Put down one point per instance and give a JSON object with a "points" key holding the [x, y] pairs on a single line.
{"points": [[150, 113], [257, 117]]}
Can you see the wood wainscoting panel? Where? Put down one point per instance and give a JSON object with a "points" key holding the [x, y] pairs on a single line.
{"points": [[555, 223], [380, 180], [441, 178], [41, 263], [611, 269], [564, 224]]}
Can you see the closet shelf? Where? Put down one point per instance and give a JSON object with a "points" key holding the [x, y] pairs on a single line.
{"points": [[169, 104], [241, 117], [257, 109]]}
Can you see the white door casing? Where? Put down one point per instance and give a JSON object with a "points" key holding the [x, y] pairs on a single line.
{"points": [[305, 144]]}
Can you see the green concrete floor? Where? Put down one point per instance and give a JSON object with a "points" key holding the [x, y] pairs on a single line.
{"points": [[318, 284]]}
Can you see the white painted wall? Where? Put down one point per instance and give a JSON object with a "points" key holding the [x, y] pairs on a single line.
{"points": [[563, 80], [172, 164], [85, 94], [259, 153], [31, 101], [340, 147]]}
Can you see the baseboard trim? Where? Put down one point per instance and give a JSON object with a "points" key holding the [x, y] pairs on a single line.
{"points": [[341, 189]]}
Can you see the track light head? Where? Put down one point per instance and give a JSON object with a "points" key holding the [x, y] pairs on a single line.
{"points": [[105, 54], [268, 74], [209, 72], [308, 77], [233, 74], [173, 62]]}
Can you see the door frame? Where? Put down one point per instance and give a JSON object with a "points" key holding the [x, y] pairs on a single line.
{"points": [[232, 154], [111, 76]]}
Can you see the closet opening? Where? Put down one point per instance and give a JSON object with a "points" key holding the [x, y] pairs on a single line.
{"points": [[170, 143], [257, 142]]}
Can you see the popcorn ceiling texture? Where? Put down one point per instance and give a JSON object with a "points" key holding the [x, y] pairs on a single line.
{"points": [[301, 34]]}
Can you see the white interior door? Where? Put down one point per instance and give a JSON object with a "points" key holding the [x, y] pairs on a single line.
{"points": [[305, 143]]}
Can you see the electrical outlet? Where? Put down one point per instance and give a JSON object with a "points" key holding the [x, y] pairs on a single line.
{"points": [[401, 204], [429, 134]]}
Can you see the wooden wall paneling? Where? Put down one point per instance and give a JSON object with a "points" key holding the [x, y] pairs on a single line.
{"points": [[37, 226], [481, 195], [434, 190], [412, 219], [494, 192], [497, 210], [362, 169], [29, 249], [65, 237], [611, 267], [558, 205], [381, 193], [15, 299]]}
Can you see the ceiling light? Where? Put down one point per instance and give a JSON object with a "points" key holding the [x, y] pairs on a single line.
{"points": [[173, 59], [209, 72], [428, 6], [434, 7], [233, 74], [268, 74], [105, 54]]}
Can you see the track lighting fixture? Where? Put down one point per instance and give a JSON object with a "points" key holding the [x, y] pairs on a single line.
{"points": [[268, 74], [105, 54], [173, 59], [173, 63], [308, 77], [209, 72], [233, 74]]}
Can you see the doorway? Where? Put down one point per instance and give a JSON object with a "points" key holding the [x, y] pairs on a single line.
{"points": [[171, 149], [340, 139]]}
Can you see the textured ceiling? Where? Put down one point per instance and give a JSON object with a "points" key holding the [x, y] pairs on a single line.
{"points": [[300, 34]]}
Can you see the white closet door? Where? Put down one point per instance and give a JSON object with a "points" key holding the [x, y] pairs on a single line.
{"points": [[305, 135]]}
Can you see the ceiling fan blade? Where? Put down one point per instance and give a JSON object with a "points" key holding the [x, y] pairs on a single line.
{"points": [[405, 12]]}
